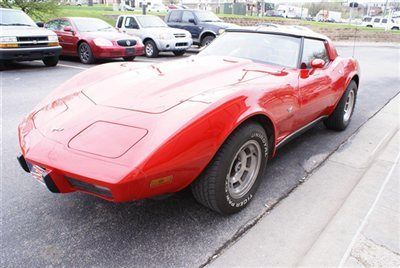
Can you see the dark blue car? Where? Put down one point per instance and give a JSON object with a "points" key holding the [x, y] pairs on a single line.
{"points": [[203, 25]]}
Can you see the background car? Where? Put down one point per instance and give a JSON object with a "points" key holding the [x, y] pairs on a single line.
{"points": [[157, 7], [91, 39], [378, 22], [155, 34], [203, 25], [21, 39]]}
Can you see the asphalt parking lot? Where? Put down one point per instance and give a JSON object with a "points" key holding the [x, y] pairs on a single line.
{"points": [[40, 228]]}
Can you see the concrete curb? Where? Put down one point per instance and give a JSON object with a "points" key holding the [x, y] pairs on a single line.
{"points": [[301, 230]]}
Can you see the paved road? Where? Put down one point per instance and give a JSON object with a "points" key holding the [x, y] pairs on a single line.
{"points": [[40, 228]]}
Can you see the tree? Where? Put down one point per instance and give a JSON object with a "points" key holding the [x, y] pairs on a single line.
{"points": [[38, 9]]}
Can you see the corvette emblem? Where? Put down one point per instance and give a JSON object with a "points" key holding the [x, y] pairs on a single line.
{"points": [[57, 129]]}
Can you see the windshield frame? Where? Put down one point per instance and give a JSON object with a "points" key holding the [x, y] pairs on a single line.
{"points": [[300, 46], [76, 26], [139, 21], [28, 20]]}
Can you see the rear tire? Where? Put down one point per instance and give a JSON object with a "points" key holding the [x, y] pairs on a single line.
{"points": [[131, 58], [179, 52], [231, 179], [50, 61], [341, 116], [150, 49], [85, 53]]}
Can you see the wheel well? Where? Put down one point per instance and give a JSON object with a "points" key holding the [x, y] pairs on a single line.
{"points": [[147, 39], [206, 34], [356, 79], [78, 44], [268, 126]]}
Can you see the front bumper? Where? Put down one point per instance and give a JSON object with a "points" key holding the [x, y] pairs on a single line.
{"points": [[117, 52], [174, 44], [36, 53]]}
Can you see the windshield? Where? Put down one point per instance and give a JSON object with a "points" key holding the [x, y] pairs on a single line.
{"points": [[260, 47], [92, 25], [151, 21], [15, 18], [206, 16]]}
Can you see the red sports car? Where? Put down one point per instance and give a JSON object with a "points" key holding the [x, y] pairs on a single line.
{"points": [[123, 132], [92, 39]]}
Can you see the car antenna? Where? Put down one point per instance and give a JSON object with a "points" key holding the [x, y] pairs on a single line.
{"points": [[354, 42]]}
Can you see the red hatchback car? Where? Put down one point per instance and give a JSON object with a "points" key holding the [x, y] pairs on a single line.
{"points": [[125, 132], [91, 39]]}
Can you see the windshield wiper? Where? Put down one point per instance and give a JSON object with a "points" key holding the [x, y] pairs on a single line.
{"points": [[17, 24]]}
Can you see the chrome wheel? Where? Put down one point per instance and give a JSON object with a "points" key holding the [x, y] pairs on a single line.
{"points": [[149, 49], [84, 52], [244, 169], [348, 107]]}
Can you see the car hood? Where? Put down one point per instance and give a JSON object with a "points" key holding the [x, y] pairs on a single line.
{"points": [[106, 35], [158, 30], [222, 24], [158, 88], [24, 31]]}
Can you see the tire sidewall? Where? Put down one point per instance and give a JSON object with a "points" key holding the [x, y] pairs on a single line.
{"points": [[154, 54], [225, 201], [204, 41], [91, 59], [351, 86]]}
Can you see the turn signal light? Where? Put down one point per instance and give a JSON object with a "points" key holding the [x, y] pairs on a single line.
{"points": [[9, 45], [52, 44]]}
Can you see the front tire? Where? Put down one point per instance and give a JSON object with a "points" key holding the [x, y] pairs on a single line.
{"points": [[50, 61], [131, 58], [341, 116], [85, 53], [150, 49], [207, 40], [179, 52], [231, 179]]}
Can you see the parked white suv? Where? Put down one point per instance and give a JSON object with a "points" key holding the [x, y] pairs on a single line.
{"points": [[156, 35], [378, 22], [22, 40]]}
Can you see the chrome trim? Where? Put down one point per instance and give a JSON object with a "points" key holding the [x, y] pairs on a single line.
{"points": [[300, 130]]}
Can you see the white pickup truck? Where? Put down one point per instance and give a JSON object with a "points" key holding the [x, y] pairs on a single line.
{"points": [[156, 35], [22, 40]]}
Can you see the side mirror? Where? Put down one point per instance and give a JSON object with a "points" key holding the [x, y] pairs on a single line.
{"points": [[40, 24], [68, 29], [192, 21], [317, 63]]}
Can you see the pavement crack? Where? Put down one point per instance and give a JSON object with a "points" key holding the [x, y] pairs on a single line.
{"points": [[381, 246]]}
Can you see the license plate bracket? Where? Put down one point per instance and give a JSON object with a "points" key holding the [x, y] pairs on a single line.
{"points": [[130, 50]]}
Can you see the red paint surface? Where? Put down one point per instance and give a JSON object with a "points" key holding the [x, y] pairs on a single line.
{"points": [[188, 109]]}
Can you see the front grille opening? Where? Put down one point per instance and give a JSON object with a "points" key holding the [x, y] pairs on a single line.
{"points": [[32, 38], [92, 188], [181, 44], [127, 43], [180, 35]]}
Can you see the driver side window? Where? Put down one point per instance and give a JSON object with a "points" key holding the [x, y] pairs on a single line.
{"points": [[313, 49], [131, 23]]}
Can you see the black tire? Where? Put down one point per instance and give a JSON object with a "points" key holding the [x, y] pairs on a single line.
{"points": [[395, 28], [207, 40], [179, 52], [211, 188], [150, 49], [50, 61], [369, 26], [85, 53], [338, 120], [131, 58]]}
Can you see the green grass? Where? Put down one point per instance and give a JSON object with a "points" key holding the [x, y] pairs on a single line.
{"points": [[106, 13]]}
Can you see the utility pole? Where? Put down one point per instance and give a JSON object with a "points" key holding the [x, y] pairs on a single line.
{"points": [[384, 11]]}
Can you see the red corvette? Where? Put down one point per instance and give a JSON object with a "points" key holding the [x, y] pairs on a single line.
{"points": [[92, 39], [123, 132]]}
